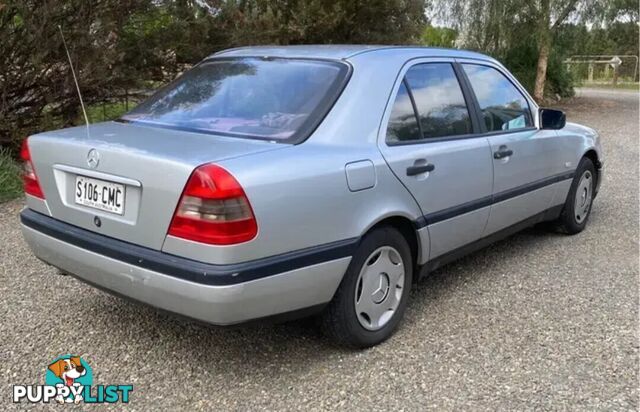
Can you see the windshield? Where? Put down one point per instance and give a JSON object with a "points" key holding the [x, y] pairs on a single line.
{"points": [[273, 99]]}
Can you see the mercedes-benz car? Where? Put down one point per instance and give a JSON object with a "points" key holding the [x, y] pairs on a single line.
{"points": [[275, 182]]}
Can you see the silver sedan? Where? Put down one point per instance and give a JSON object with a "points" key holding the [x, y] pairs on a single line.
{"points": [[274, 182]]}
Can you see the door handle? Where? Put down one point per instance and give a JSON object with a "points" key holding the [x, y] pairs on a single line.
{"points": [[418, 169], [502, 152]]}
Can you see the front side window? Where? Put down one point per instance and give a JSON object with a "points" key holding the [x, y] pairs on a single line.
{"points": [[503, 106], [273, 99], [439, 101]]}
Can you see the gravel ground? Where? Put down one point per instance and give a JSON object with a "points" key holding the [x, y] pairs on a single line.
{"points": [[538, 321]]}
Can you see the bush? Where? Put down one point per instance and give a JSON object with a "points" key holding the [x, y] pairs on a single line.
{"points": [[118, 47], [559, 79], [522, 61], [10, 180]]}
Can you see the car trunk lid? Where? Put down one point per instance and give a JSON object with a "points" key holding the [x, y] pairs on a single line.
{"points": [[150, 165]]}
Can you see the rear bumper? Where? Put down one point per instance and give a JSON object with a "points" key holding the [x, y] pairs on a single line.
{"points": [[217, 294]]}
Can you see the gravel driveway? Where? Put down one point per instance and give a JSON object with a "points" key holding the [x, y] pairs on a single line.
{"points": [[539, 321]]}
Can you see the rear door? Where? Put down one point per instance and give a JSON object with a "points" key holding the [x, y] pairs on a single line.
{"points": [[428, 139], [525, 159]]}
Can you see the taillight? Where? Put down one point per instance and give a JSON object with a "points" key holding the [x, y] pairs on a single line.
{"points": [[29, 178], [213, 209]]}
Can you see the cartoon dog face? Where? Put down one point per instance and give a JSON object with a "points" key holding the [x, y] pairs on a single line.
{"points": [[68, 369]]}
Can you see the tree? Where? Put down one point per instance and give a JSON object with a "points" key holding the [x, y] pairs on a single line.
{"points": [[123, 45], [327, 21], [496, 26], [35, 81], [550, 14], [439, 36], [115, 45]]}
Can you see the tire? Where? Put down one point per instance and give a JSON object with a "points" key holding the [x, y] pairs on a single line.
{"points": [[351, 318], [577, 208]]}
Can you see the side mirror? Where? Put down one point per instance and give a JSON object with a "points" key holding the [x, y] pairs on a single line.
{"points": [[552, 119]]}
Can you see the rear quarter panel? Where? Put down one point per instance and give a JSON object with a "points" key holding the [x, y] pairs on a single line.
{"points": [[301, 199]]}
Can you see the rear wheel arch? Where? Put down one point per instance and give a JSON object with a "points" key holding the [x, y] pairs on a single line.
{"points": [[405, 226], [353, 317]]}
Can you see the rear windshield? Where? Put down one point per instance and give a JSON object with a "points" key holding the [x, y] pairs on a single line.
{"points": [[272, 99]]}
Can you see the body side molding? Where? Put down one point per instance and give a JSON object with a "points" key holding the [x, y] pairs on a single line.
{"points": [[183, 268], [457, 210]]}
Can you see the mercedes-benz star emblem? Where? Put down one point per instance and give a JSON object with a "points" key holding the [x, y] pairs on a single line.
{"points": [[93, 158]]}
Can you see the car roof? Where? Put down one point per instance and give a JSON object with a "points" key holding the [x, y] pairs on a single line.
{"points": [[346, 51]]}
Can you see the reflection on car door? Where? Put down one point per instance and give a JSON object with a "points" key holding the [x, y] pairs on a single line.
{"points": [[430, 147], [524, 158]]}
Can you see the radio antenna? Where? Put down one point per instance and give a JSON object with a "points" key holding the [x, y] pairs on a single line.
{"points": [[75, 80]]}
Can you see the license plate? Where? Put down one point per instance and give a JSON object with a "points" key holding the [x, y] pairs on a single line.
{"points": [[100, 194]]}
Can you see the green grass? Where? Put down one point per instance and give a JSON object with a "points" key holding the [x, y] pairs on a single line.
{"points": [[627, 86], [10, 169], [10, 180], [106, 111], [99, 112]]}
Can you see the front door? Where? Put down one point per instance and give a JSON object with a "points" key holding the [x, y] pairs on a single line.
{"points": [[524, 158], [431, 147]]}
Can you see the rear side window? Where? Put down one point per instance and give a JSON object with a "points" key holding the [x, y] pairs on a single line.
{"points": [[403, 124], [440, 104], [503, 106], [272, 99]]}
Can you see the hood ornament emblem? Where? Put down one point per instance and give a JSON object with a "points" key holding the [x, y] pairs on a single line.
{"points": [[93, 158]]}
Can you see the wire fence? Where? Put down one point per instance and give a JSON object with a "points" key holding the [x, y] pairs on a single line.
{"points": [[604, 69]]}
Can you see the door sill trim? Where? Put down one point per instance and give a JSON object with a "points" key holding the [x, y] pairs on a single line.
{"points": [[439, 261]]}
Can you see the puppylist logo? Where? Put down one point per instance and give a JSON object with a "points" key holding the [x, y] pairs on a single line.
{"points": [[69, 379]]}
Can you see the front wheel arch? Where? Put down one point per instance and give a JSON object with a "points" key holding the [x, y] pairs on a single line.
{"points": [[592, 155], [569, 221]]}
